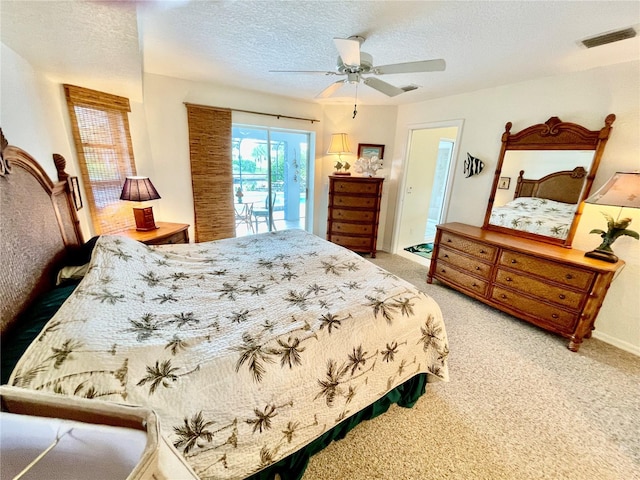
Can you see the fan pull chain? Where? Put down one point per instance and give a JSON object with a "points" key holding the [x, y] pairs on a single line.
{"points": [[355, 105]]}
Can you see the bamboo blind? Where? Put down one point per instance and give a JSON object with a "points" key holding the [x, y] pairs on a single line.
{"points": [[211, 172], [100, 126]]}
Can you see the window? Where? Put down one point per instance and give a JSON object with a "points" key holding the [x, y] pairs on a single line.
{"points": [[100, 126]]}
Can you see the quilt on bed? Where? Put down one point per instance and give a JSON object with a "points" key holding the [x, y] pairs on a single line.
{"points": [[535, 215], [247, 348]]}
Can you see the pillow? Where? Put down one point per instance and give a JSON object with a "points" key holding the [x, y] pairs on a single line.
{"points": [[28, 326], [81, 254], [71, 273]]}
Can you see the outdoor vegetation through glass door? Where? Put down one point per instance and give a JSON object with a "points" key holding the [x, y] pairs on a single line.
{"points": [[269, 179]]}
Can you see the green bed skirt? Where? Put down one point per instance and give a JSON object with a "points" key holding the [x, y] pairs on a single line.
{"points": [[293, 466]]}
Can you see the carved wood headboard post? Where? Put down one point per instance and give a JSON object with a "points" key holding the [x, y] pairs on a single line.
{"points": [[38, 223]]}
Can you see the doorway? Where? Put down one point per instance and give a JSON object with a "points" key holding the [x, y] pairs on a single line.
{"points": [[270, 181], [424, 197]]}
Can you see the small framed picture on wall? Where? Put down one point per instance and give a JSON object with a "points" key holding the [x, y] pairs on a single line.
{"points": [[504, 183], [368, 150], [75, 191]]}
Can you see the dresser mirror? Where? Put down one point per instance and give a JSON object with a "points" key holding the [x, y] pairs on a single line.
{"points": [[542, 177]]}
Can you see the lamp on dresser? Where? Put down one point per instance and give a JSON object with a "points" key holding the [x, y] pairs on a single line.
{"points": [[338, 146], [140, 189], [622, 190]]}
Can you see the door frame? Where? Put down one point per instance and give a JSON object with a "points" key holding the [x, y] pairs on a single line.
{"points": [[405, 167]]}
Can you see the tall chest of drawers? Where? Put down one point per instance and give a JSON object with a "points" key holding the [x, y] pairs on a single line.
{"points": [[354, 210], [555, 288]]}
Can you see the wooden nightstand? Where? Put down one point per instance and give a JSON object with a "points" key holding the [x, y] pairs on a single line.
{"points": [[166, 233]]}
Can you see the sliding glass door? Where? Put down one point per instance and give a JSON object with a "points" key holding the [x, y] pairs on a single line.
{"points": [[269, 178]]}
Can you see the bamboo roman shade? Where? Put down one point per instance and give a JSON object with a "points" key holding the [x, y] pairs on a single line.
{"points": [[100, 126], [211, 172]]}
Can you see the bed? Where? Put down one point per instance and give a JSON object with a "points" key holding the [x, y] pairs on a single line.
{"points": [[255, 352], [544, 206]]}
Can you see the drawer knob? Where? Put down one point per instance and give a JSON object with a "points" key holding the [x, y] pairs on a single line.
{"points": [[554, 315], [569, 276], [503, 296], [509, 279], [562, 296], [446, 255], [514, 261], [482, 251], [442, 270], [474, 284], [477, 268], [448, 240]]}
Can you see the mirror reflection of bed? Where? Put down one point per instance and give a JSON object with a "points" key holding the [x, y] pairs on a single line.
{"points": [[543, 205]]}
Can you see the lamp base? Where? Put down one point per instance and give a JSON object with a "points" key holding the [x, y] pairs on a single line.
{"points": [[144, 219], [602, 255], [342, 173]]}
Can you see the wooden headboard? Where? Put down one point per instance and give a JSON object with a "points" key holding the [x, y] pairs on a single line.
{"points": [[564, 186], [38, 224]]}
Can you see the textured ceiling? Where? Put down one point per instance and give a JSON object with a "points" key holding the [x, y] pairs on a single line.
{"points": [[100, 44]]}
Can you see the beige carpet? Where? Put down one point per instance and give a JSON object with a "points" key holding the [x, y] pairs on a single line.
{"points": [[519, 405]]}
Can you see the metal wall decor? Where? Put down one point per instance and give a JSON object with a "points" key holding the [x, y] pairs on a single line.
{"points": [[472, 166]]}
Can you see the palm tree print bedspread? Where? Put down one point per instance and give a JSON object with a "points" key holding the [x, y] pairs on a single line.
{"points": [[247, 348]]}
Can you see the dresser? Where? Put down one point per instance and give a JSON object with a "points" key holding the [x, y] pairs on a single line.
{"points": [[555, 288], [166, 233], [354, 210]]}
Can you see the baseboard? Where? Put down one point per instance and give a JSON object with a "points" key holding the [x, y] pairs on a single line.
{"points": [[616, 342]]}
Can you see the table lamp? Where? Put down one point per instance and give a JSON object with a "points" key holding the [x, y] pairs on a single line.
{"points": [[339, 145], [622, 190], [140, 189]]}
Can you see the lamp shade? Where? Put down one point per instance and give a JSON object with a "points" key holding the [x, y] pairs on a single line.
{"points": [[339, 144], [138, 189], [622, 190]]}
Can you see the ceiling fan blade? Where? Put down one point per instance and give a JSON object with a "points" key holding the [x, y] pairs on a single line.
{"points": [[327, 92], [316, 72], [349, 50], [437, 65], [383, 87]]}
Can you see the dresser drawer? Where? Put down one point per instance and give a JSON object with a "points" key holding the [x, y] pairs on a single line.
{"points": [[351, 228], [179, 237], [363, 243], [561, 296], [557, 272], [477, 249], [540, 312], [469, 264], [359, 202], [448, 273], [346, 186], [361, 216]]}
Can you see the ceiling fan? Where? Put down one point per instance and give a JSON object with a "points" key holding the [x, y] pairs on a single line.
{"points": [[355, 64]]}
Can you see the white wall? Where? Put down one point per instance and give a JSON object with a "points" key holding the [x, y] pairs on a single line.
{"points": [[31, 113], [585, 98]]}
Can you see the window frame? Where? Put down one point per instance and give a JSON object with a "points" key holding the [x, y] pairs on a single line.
{"points": [[114, 215]]}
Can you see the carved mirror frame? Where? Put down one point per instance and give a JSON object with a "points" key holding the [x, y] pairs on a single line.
{"points": [[552, 135]]}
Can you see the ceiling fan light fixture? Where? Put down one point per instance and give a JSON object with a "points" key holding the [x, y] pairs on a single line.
{"points": [[353, 77]]}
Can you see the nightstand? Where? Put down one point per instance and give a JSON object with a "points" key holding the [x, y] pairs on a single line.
{"points": [[166, 233]]}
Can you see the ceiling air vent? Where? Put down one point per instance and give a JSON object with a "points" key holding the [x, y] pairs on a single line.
{"points": [[609, 37], [408, 88]]}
